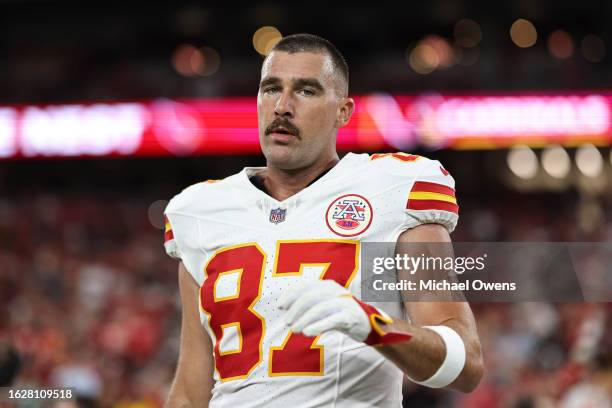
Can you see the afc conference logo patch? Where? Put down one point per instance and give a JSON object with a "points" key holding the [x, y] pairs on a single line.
{"points": [[349, 215], [277, 215]]}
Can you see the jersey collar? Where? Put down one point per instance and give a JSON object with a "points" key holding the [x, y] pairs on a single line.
{"points": [[248, 172]]}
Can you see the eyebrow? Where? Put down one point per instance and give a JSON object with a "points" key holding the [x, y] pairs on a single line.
{"points": [[269, 81], [311, 82], [300, 82]]}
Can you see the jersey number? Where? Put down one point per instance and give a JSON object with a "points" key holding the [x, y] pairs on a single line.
{"points": [[298, 354]]}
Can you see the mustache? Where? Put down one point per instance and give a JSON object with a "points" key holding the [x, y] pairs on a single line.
{"points": [[285, 123]]}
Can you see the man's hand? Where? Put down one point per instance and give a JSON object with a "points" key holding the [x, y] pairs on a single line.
{"points": [[324, 305]]}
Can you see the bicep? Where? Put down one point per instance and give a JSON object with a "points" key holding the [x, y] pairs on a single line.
{"points": [[194, 375]]}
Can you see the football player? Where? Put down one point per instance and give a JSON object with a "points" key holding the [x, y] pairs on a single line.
{"points": [[269, 271]]}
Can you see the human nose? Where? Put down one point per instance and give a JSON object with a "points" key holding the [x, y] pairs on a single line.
{"points": [[284, 105]]}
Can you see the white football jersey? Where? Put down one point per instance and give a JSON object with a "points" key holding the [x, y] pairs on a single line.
{"points": [[245, 249]]}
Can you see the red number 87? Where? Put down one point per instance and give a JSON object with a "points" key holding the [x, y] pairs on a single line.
{"points": [[298, 355]]}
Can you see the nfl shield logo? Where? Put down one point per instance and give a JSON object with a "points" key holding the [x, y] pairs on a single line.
{"points": [[277, 215]]}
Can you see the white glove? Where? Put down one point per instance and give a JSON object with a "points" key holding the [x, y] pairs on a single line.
{"points": [[323, 305]]}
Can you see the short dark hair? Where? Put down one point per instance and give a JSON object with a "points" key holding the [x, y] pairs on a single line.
{"points": [[313, 43]]}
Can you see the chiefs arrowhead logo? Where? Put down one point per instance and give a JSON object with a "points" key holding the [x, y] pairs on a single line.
{"points": [[349, 215]]}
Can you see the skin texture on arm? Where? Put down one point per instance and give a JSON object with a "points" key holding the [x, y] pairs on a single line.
{"points": [[421, 357], [193, 380]]}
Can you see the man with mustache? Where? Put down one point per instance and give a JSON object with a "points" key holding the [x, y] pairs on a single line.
{"points": [[270, 260]]}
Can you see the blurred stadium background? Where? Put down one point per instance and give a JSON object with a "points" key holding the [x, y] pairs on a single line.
{"points": [[107, 112]]}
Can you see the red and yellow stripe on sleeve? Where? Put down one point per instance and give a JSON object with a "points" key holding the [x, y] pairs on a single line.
{"points": [[168, 234], [432, 196]]}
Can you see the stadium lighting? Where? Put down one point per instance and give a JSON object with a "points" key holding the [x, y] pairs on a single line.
{"points": [[196, 62], [210, 61], [443, 49], [467, 33], [431, 53], [423, 59], [523, 33], [556, 161], [523, 162], [589, 160], [560, 44], [184, 58], [265, 38]]}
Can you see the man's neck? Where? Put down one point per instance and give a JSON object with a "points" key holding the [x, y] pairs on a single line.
{"points": [[282, 184]]}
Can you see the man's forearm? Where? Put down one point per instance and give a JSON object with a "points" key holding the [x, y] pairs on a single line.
{"points": [[421, 357], [181, 397]]}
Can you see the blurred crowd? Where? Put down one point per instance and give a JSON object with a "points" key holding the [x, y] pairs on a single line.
{"points": [[90, 301], [89, 298]]}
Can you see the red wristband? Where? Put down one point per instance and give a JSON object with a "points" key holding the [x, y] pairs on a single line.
{"points": [[378, 336]]}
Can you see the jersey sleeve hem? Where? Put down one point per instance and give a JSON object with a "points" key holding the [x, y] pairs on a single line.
{"points": [[431, 199], [184, 242]]}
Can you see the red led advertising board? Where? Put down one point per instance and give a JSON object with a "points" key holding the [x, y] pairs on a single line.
{"points": [[229, 126]]}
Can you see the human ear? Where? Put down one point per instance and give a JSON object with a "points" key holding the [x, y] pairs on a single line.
{"points": [[346, 108]]}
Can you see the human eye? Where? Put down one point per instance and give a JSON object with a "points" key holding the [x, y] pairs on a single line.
{"points": [[306, 92], [269, 90]]}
